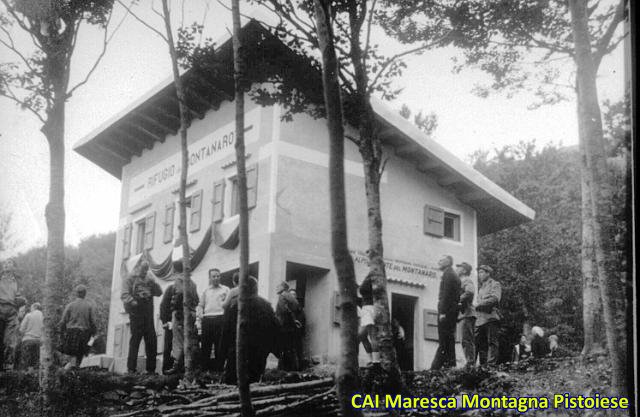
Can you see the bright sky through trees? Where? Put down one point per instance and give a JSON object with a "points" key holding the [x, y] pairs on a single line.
{"points": [[136, 61]]}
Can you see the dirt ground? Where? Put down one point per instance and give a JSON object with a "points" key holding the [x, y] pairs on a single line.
{"points": [[92, 392]]}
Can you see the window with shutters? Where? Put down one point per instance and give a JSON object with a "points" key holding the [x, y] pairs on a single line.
{"points": [[252, 191], [440, 223], [195, 212], [218, 200], [452, 226], [126, 241], [169, 215], [430, 324], [140, 229], [433, 221], [149, 230]]}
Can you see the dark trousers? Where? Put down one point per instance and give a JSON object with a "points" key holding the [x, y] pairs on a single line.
{"points": [[211, 334], [29, 354], [142, 327], [468, 327], [487, 343], [291, 357], [446, 353], [167, 359], [256, 366], [8, 330]]}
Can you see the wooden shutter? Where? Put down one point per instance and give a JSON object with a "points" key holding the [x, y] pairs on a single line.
{"points": [[117, 340], [218, 200], [169, 214], [430, 324], [196, 212], [252, 186], [126, 241], [149, 227], [433, 221]]}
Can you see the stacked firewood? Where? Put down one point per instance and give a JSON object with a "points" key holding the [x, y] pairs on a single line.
{"points": [[311, 398]]}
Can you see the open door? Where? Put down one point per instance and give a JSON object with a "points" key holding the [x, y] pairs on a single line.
{"points": [[403, 315]]}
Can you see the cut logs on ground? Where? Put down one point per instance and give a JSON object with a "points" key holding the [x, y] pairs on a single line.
{"points": [[311, 398]]}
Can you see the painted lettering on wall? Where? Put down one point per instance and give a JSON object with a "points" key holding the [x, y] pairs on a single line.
{"points": [[202, 153], [397, 270]]}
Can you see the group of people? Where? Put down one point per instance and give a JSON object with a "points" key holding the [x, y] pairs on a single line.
{"points": [[21, 332], [214, 318], [479, 323], [536, 345]]}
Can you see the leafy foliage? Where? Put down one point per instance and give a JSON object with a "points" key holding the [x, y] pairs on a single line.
{"points": [[538, 263], [29, 79], [523, 45], [90, 264], [428, 122]]}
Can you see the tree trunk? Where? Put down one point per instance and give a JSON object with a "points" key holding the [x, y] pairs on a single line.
{"points": [[242, 353], [55, 219], [593, 159], [371, 151], [189, 336], [57, 51], [347, 377], [591, 304]]}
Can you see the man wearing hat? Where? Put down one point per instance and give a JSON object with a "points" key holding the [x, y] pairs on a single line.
{"points": [[448, 296], [467, 312], [487, 323]]}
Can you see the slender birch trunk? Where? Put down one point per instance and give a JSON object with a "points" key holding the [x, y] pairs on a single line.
{"points": [[370, 149], [594, 164], [56, 66], [242, 338], [591, 304], [348, 380], [189, 336]]}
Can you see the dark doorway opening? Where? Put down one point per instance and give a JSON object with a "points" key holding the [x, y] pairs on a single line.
{"points": [[226, 277], [297, 276], [403, 315]]}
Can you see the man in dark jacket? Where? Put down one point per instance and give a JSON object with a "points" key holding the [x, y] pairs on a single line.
{"points": [[77, 325], [137, 296], [177, 308], [448, 296], [291, 319], [262, 328], [167, 326]]}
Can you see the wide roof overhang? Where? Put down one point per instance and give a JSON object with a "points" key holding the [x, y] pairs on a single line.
{"points": [[155, 115]]}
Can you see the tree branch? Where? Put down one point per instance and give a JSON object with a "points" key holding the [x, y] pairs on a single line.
{"points": [[11, 46], [368, 36], [156, 31], [20, 22], [8, 93], [105, 41], [603, 43], [400, 55]]}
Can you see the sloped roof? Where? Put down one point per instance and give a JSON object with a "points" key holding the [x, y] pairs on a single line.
{"points": [[155, 115]]}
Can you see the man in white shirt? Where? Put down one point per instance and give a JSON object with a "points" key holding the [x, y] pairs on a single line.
{"points": [[211, 311], [31, 330]]}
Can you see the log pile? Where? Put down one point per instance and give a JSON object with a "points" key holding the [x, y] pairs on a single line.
{"points": [[311, 398]]}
